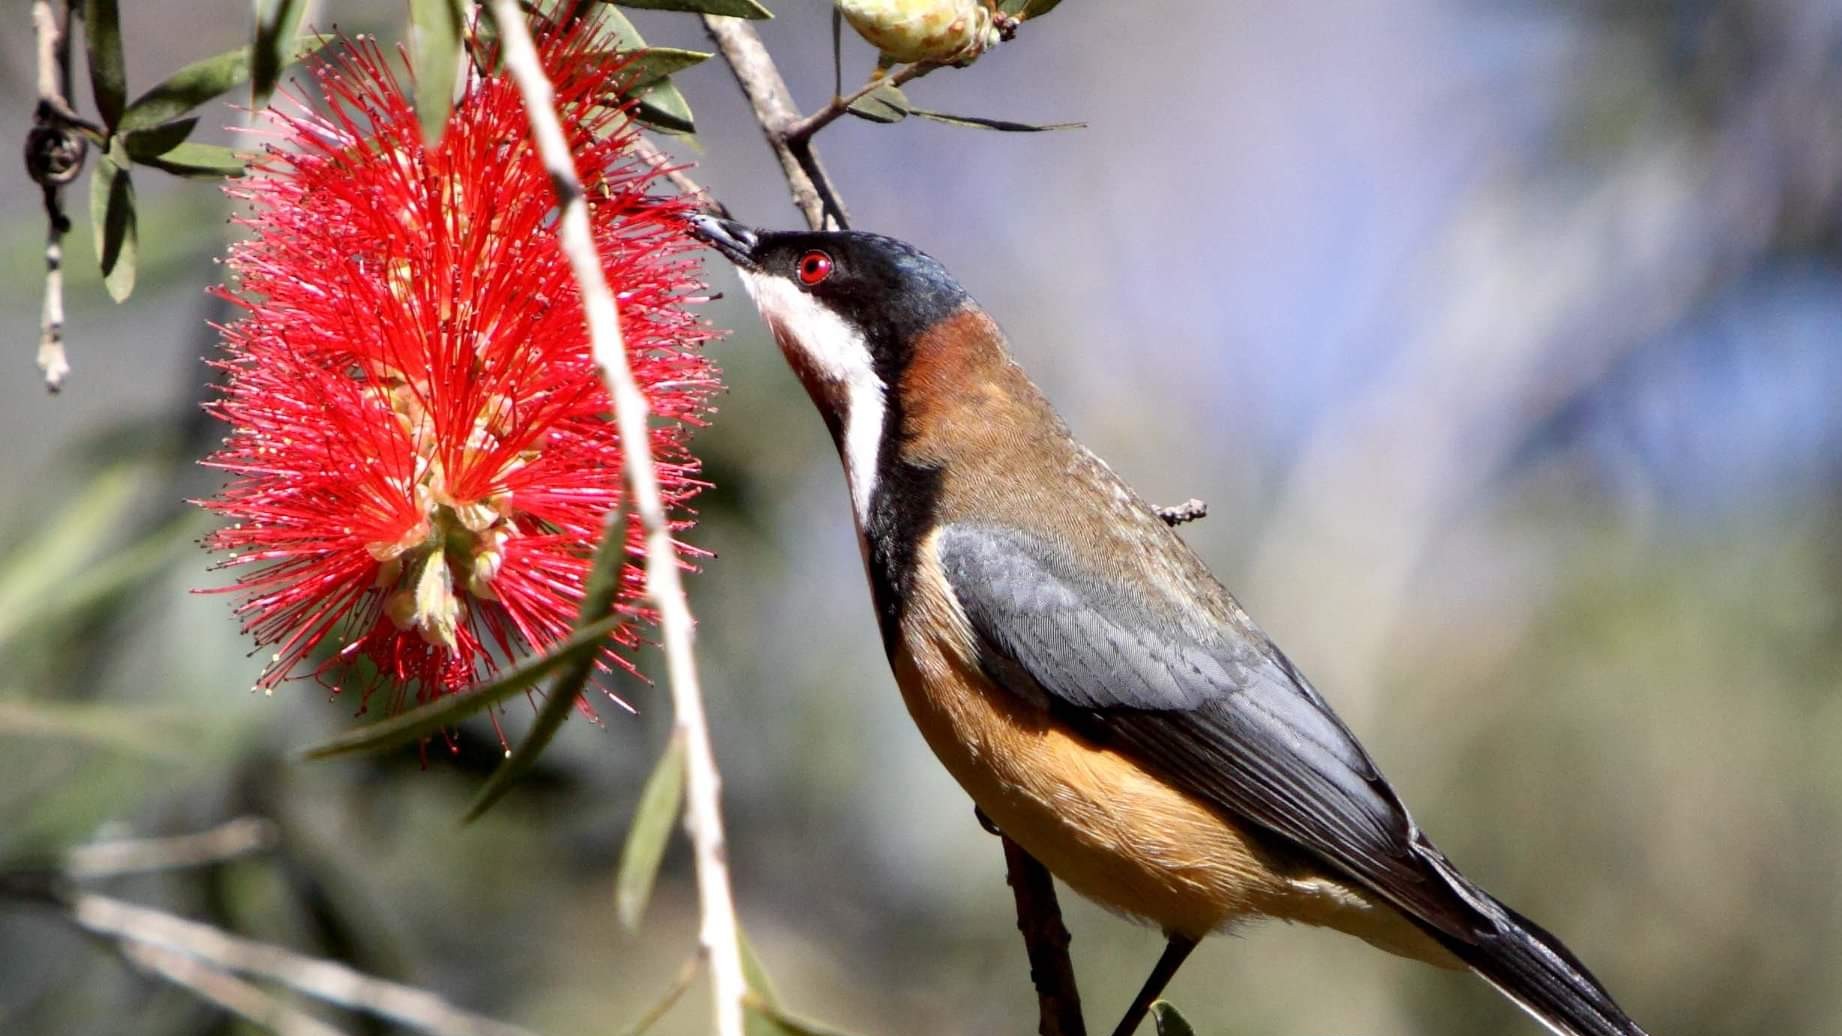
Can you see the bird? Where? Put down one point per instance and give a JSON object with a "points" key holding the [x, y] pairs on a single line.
{"points": [[1074, 665]]}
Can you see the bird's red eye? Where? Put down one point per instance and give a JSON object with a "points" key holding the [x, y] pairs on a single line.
{"points": [[814, 267]]}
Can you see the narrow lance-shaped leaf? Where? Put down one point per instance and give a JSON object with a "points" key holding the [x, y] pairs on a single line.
{"points": [[157, 140], [198, 161], [884, 104], [1028, 8], [653, 64], [140, 730], [754, 972], [112, 220], [1001, 125], [102, 33], [621, 28], [100, 582], [763, 1020], [764, 1015], [653, 820], [599, 589], [266, 51], [204, 79], [727, 8], [1168, 1021], [664, 107], [435, 30], [431, 719], [62, 544], [660, 105], [658, 1010]]}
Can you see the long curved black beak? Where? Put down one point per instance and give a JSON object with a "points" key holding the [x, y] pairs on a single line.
{"points": [[735, 241]]}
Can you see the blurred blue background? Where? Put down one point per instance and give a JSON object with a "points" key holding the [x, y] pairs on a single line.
{"points": [[1504, 340]]}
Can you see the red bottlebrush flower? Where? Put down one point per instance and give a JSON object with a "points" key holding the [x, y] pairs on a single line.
{"points": [[421, 450]]}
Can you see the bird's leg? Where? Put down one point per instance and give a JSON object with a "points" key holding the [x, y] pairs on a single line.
{"points": [[1175, 951]]}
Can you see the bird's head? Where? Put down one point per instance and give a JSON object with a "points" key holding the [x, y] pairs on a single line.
{"points": [[853, 312], [845, 306]]}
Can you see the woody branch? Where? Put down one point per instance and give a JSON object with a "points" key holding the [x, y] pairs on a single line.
{"points": [[718, 933]]}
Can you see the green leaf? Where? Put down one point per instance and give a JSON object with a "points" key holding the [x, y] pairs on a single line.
{"points": [[112, 220], [658, 1010], [626, 37], [653, 64], [600, 587], [1168, 1021], [63, 544], [198, 161], [204, 79], [447, 710], [652, 826], [754, 973], [884, 104], [435, 30], [102, 34], [763, 1014], [157, 140], [99, 582], [727, 8], [661, 105], [152, 732], [1002, 126], [764, 1020], [1028, 8], [266, 56]]}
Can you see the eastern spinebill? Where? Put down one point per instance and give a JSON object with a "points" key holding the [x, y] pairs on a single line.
{"points": [[1079, 671]]}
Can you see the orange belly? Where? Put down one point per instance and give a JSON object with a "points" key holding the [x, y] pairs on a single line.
{"points": [[1111, 830]]}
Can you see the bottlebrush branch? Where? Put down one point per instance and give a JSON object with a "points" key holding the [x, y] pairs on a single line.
{"points": [[421, 457]]}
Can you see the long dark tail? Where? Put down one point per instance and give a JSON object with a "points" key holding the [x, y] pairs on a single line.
{"points": [[1532, 968]]}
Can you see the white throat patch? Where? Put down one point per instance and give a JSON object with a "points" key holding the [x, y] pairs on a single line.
{"points": [[834, 351]]}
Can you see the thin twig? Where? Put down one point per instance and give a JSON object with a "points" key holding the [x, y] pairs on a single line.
{"points": [[321, 979], [767, 94], [718, 935], [243, 999], [1045, 941], [227, 841], [54, 156], [801, 130]]}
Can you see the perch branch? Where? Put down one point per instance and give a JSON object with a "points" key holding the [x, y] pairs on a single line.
{"points": [[717, 935], [1045, 939]]}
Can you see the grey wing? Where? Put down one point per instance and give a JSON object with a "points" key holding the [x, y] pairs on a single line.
{"points": [[1219, 711]]}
